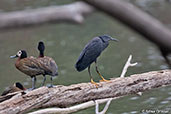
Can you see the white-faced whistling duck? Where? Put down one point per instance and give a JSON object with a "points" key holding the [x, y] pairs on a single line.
{"points": [[30, 66], [16, 87], [52, 68]]}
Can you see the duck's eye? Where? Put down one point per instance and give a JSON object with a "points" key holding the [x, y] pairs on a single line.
{"points": [[19, 53]]}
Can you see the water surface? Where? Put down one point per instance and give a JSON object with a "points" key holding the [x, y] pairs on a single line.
{"points": [[64, 43]]}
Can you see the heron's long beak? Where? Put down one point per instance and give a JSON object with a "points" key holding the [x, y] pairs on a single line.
{"points": [[14, 56], [114, 39]]}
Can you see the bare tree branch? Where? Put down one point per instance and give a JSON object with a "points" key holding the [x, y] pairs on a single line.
{"points": [[128, 64], [65, 96], [135, 18], [105, 108], [74, 13], [70, 109]]}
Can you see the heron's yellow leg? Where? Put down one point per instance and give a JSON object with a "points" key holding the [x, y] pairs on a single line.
{"points": [[94, 83], [103, 80]]}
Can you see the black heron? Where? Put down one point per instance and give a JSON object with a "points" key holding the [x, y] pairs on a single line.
{"points": [[90, 54]]}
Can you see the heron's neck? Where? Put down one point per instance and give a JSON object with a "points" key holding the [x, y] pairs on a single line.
{"points": [[105, 44]]}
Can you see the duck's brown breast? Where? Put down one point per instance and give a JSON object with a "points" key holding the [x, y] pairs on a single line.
{"points": [[30, 66]]}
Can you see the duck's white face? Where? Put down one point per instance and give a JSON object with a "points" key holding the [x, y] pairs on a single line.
{"points": [[19, 53]]}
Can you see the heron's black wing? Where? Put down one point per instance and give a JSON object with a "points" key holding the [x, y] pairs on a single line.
{"points": [[89, 54]]}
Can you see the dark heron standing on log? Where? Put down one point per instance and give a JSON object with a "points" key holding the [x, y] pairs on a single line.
{"points": [[50, 63], [90, 53], [16, 87]]}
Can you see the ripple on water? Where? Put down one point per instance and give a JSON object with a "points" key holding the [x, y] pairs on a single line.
{"points": [[125, 113], [163, 89], [133, 112], [134, 98], [163, 67], [150, 100], [164, 102], [169, 98]]}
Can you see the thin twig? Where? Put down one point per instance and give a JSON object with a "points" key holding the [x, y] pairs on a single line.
{"points": [[128, 64], [105, 108]]}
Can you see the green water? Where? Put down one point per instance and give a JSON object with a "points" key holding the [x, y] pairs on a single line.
{"points": [[64, 43]]}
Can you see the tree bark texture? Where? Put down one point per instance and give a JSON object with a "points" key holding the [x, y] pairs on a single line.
{"points": [[65, 96], [67, 13], [146, 25]]}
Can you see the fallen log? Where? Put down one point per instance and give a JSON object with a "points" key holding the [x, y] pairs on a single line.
{"points": [[65, 96], [73, 13]]}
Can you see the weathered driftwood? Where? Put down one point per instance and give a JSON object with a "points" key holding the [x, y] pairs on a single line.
{"points": [[67, 13], [64, 96], [135, 18]]}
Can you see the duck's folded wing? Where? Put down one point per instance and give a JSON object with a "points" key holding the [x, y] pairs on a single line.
{"points": [[49, 65], [31, 67]]}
